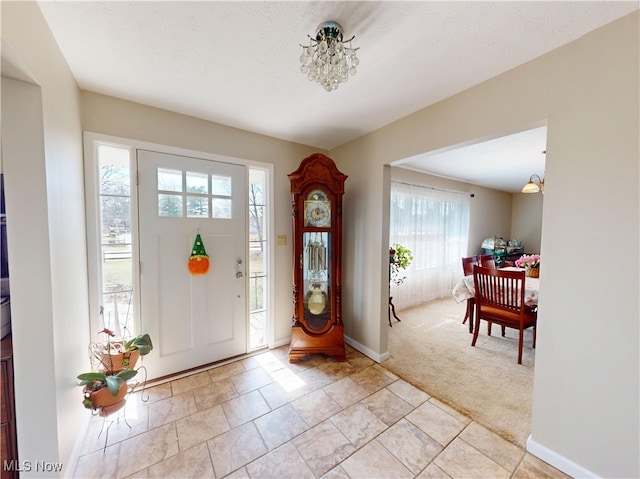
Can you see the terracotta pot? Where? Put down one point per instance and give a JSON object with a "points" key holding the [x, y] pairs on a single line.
{"points": [[107, 410], [116, 362], [103, 400]]}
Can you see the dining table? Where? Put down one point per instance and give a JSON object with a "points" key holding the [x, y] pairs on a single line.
{"points": [[465, 289]]}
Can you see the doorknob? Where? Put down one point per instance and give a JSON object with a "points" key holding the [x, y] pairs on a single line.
{"points": [[239, 274]]}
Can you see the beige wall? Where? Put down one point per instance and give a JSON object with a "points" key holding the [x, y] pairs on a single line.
{"points": [[591, 196], [526, 220], [42, 162], [587, 93]]}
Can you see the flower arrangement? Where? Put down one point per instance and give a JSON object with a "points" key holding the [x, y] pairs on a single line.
{"points": [[528, 261]]}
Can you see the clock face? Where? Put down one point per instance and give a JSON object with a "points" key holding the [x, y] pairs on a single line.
{"points": [[317, 214]]}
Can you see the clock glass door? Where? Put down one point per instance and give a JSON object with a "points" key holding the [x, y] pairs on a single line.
{"points": [[316, 269]]}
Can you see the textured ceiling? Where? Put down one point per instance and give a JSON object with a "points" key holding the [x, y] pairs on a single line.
{"points": [[237, 62]]}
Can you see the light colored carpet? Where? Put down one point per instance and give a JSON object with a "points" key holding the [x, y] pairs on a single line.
{"points": [[431, 348]]}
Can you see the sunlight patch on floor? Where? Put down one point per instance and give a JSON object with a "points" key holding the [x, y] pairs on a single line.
{"points": [[282, 375]]}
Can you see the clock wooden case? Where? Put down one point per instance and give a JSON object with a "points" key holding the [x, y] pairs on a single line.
{"points": [[317, 188]]}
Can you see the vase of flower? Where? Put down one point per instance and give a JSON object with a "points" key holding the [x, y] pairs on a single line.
{"points": [[532, 272], [530, 263]]}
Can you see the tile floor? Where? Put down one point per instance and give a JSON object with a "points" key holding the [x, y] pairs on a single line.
{"points": [[263, 417]]}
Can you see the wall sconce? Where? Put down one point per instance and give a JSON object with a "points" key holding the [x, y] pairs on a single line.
{"points": [[535, 185]]}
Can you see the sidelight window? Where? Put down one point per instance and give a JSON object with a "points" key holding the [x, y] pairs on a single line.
{"points": [[116, 252]]}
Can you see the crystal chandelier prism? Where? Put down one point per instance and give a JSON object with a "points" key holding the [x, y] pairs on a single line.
{"points": [[329, 59]]}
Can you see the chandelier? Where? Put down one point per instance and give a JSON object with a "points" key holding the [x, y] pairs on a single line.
{"points": [[328, 59]]}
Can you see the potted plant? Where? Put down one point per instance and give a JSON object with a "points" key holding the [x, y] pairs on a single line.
{"points": [[530, 263], [105, 392], [117, 355], [400, 258]]}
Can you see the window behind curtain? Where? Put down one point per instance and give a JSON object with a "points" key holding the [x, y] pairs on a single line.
{"points": [[434, 225]]}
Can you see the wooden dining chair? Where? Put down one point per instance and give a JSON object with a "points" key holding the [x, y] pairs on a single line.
{"points": [[487, 261], [467, 268], [499, 299]]}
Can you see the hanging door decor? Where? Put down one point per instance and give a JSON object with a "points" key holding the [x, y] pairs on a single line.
{"points": [[199, 259]]}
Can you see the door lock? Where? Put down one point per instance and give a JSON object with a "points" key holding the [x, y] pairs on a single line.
{"points": [[239, 273]]}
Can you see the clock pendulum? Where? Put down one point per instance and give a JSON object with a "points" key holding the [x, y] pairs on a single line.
{"points": [[316, 264]]}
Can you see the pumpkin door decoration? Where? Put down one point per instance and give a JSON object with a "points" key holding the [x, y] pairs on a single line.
{"points": [[199, 259]]}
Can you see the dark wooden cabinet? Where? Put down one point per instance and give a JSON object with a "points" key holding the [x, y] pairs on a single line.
{"points": [[7, 412], [317, 188]]}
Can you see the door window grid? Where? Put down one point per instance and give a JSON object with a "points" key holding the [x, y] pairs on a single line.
{"points": [[193, 194]]}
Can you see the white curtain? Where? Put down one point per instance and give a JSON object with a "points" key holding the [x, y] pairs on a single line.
{"points": [[434, 225]]}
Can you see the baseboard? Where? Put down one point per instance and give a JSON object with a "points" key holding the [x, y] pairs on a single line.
{"points": [[556, 460], [351, 342], [378, 358], [70, 464], [281, 342]]}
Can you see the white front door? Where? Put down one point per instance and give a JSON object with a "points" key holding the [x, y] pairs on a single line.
{"points": [[193, 319]]}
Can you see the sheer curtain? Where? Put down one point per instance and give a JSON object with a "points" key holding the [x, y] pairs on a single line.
{"points": [[434, 225]]}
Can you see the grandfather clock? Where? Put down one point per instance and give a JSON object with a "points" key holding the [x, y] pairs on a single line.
{"points": [[317, 188]]}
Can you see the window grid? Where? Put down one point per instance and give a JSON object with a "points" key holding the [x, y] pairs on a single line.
{"points": [[187, 199]]}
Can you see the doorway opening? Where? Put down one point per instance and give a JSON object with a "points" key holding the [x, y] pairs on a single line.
{"points": [[433, 331]]}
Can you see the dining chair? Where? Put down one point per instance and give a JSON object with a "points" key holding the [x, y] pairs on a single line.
{"points": [[467, 269], [487, 261], [499, 299]]}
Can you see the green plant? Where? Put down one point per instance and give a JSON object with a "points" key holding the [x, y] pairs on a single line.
{"points": [[141, 342], [94, 381], [116, 362], [400, 258], [117, 354]]}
